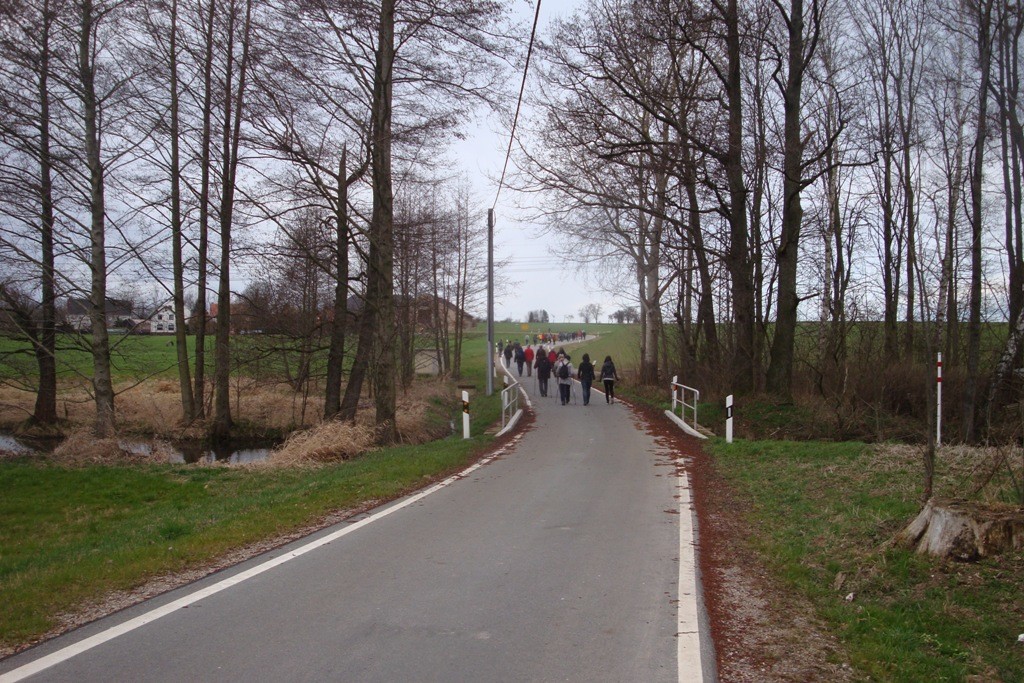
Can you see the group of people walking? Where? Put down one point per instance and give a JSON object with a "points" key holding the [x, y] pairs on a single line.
{"points": [[559, 364]]}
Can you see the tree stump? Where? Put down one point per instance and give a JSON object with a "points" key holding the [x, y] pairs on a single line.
{"points": [[964, 531]]}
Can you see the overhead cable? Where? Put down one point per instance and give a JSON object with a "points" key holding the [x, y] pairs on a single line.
{"points": [[515, 120]]}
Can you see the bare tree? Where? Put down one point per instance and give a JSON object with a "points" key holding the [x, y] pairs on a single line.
{"points": [[231, 127], [637, 76], [590, 313], [88, 23], [980, 18], [798, 58], [25, 132]]}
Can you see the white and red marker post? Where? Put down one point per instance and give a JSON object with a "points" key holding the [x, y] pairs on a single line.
{"points": [[938, 400]]}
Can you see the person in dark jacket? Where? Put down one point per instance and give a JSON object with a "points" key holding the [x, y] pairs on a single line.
{"points": [[520, 357], [609, 377], [585, 374], [508, 354], [543, 366], [564, 383]]}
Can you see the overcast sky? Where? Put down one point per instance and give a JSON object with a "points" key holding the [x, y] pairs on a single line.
{"points": [[543, 281]]}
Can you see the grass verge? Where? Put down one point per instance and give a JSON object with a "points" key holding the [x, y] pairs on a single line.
{"points": [[821, 515]]}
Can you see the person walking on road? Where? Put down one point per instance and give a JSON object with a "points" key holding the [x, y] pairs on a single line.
{"points": [[508, 354], [543, 366], [528, 355], [564, 372], [520, 357], [585, 374], [609, 377]]}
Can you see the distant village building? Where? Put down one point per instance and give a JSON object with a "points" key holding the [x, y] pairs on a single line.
{"points": [[426, 362], [447, 314], [162, 320], [425, 307], [118, 312]]}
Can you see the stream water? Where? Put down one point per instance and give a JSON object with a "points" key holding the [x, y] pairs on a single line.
{"points": [[236, 452]]}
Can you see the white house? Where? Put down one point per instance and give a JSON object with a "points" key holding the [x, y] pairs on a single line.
{"points": [[162, 320]]}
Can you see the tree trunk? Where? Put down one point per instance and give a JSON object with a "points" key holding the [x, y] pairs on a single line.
{"points": [[911, 219], [705, 299], [382, 229], [361, 362], [103, 389], [738, 256], [221, 427], [339, 326], [974, 322], [204, 214], [45, 411], [376, 335], [780, 369], [1014, 343], [188, 406], [947, 294]]}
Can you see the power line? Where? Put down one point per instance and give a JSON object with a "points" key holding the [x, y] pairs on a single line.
{"points": [[515, 120]]}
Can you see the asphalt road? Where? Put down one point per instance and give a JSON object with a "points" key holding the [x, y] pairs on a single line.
{"points": [[565, 558]]}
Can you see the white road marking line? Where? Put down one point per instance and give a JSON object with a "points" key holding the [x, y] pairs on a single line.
{"points": [[64, 654], [690, 667]]}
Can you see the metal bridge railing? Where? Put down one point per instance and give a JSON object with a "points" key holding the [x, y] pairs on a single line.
{"points": [[509, 401], [680, 392]]}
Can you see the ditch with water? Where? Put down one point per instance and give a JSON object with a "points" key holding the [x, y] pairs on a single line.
{"points": [[237, 451]]}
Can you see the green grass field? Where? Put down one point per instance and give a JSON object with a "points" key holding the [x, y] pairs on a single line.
{"points": [[819, 509], [132, 357]]}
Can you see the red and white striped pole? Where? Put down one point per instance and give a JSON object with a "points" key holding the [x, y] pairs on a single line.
{"points": [[938, 400]]}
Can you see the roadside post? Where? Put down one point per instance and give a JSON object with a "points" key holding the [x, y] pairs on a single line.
{"points": [[465, 414], [728, 418], [938, 400], [490, 301], [675, 381]]}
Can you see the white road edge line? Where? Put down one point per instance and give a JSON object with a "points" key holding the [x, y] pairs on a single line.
{"points": [[689, 654], [64, 654]]}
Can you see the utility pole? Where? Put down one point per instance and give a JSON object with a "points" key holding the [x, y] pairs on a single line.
{"points": [[490, 301]]}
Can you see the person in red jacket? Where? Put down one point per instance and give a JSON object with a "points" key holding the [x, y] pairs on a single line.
{"points": [[552, 356], [528, 352]]}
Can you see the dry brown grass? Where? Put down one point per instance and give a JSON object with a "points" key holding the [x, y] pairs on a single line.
{"points": [[82, 449], [153, 409], [987, 474], [424, 412], [422, 416], [327, 442]]}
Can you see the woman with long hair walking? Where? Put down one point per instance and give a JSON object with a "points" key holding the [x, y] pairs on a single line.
{"points": [[609, 377]]}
